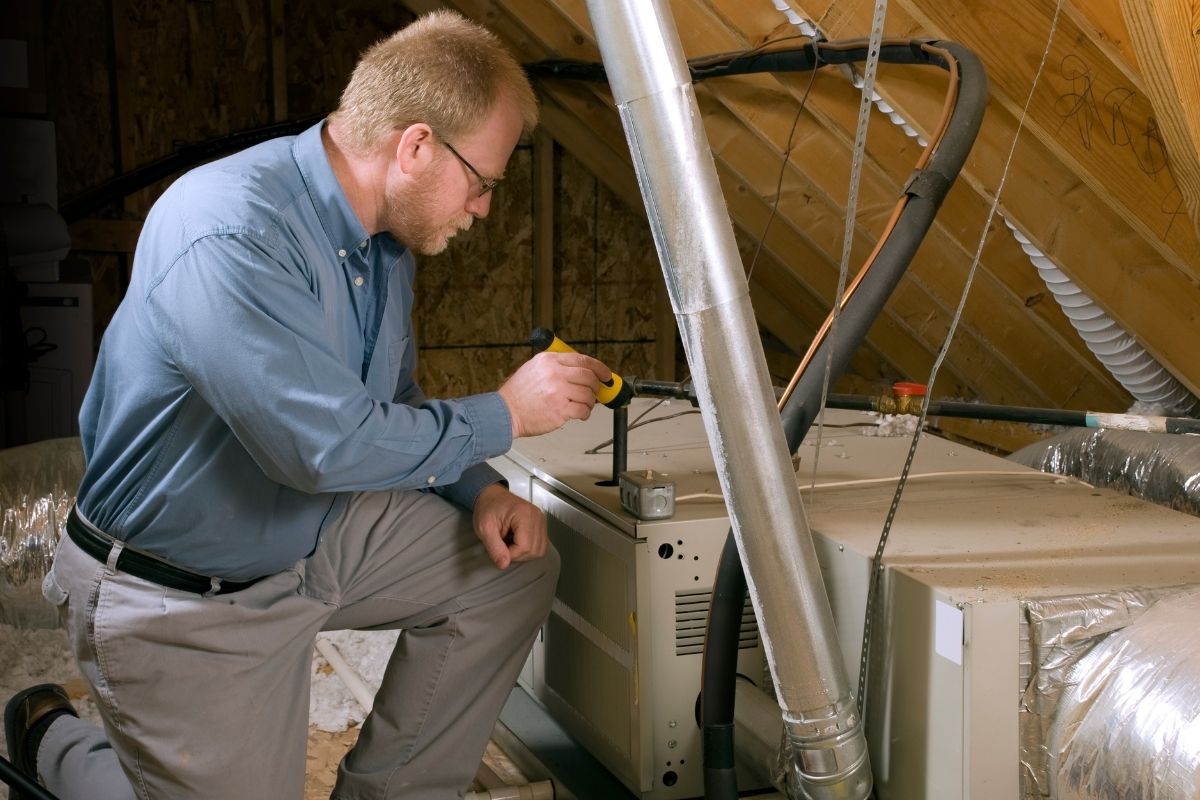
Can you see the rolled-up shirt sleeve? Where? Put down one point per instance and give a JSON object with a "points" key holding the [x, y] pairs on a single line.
{"points": [[244, 326]]}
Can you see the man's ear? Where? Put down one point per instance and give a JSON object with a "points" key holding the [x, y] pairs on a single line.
{"points": [[414, 148]]}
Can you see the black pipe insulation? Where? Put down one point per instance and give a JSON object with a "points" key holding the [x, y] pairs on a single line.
{"points": [[719, 669], [896, 253], [1033, 416], [951, 408], [646, 387], [867, 302], [849, 51]]}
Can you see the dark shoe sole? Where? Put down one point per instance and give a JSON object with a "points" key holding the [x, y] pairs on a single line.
{"points": [[16, 731]]}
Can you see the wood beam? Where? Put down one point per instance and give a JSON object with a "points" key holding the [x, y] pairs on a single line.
{"points": [[1084, 110], [1006, 306], [1122, 270], [1169, 53], [1102, 21]]}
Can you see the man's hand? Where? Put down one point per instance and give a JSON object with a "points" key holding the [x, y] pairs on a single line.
{"points": [[510, 528], [550, 389]]}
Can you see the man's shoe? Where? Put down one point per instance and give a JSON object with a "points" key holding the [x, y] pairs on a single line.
{"points": [[42, 703]]}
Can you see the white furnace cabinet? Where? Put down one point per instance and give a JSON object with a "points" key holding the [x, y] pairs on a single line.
{"points": [[975, 540]]}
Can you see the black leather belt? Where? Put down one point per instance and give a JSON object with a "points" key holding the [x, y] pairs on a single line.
{"points": [[146, 567]]}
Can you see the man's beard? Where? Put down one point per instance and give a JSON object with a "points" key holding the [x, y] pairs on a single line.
{"points": [[408, 218]]}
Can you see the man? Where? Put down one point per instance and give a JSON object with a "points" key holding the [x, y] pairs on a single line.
{"points": [[261, 464]]}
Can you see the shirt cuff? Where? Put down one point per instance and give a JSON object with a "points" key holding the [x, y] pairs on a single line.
{"points": [[474, 480], [491, 424]]}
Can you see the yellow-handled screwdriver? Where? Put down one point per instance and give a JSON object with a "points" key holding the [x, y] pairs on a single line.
{"points": [[613, 393]]}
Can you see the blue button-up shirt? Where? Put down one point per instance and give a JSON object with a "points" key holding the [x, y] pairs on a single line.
{"points": [[260, 369]]}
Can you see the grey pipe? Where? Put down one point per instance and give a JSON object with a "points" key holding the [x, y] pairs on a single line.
{"points": [[704, 275]]}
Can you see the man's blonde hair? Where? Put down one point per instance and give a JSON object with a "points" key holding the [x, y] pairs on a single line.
{"points": [[443, 70]]}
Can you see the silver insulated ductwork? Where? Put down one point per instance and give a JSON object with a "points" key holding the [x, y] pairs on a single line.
{"points": [[1128, 722], [704, 275]]}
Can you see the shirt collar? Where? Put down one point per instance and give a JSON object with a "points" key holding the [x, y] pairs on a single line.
{"points": [[342, 227]]}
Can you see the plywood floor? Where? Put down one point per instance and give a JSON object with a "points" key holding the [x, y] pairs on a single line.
{"points": [[325, 751]]}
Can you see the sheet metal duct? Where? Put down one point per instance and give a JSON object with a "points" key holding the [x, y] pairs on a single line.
{"points": [[704, 275]]}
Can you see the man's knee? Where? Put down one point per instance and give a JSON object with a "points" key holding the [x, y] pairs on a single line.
{"points": [[551, 563], [539, 577]]}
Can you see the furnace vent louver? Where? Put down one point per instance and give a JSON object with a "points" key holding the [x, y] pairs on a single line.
{"points": [[691, 613]]}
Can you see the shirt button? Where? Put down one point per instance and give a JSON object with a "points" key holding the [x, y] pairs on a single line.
{"points": [[432, 479], [358, 281], [341, 253], [362, 244]]}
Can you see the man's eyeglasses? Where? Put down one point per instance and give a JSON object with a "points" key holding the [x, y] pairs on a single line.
{"points": [[485, 184]]}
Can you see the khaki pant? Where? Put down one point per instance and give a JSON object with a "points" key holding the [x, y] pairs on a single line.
{"points": [[207, 697]]}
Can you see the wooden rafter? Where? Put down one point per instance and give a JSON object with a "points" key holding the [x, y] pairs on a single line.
{"points": [[1103, 23], [1084, 110], [1167, 48], [1121, 268], [747, 127]]}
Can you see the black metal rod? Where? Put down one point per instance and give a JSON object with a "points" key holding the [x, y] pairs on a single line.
{"points": [[620, 442], [679, 390], [951, 408], [22, 782], [1035, 416]]}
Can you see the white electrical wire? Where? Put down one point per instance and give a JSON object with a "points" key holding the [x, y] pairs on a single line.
{"points": [[894, 478], [350, 677]]}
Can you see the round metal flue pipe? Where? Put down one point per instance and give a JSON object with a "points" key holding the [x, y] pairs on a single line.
{"points": [[692, 232]]}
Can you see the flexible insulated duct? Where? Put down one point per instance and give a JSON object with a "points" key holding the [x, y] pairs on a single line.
{"points": [[692, 232], [1161, 468], [1129, 723], [1138, 371]]}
